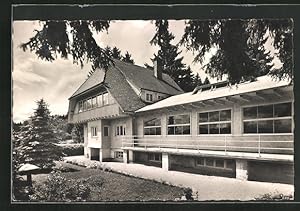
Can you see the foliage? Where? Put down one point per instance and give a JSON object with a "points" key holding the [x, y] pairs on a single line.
{"points": [[241, 53], [77, 133], [59, 188], [60, 127], [127, 58], [168, 54], [72, 149], [35, 143], [73, 38], [188, 193]]}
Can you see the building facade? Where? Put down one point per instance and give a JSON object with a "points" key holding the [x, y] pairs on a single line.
{"points": [[243, 131]]}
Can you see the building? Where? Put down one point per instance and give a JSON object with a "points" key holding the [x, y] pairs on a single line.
{"points": [[105, 104], [243, 131]]}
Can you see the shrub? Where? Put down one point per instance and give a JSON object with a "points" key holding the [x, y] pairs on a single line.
{"points": [[72, 149], [59, 188], [188, 193]]}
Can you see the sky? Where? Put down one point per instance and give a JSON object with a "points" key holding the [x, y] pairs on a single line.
{"points": [[56, 81]]}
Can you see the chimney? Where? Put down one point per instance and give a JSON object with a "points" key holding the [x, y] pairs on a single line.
{"points": [[157, 68]]}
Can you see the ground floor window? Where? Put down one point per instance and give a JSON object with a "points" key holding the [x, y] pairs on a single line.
{"points": [[94, 131], [179, 124], [154, 157], [120, 130], [105, 131], [152, 127], [215, 163], [119, 154]]}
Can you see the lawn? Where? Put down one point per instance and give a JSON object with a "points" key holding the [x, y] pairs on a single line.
{"points": [[110, 186]]}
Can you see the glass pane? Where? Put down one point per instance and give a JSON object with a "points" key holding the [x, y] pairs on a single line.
{"points": [[265, 111], [84, 105], [121, 130], [220, 163], [105, 99], [209, 162], [105, 131], [186, 129], [171, 130], [152, 131], [178, 130], [283, 126], [171, 120], [230, 164], [182, 119], [158, 131], [94, 102], [265, 126], [283, 109], [146, 131], [225, 115], [214, 116], [200, 161], [89, 104], [214, 129], [80, 107], [203, 129], [203, 117], [250, 113], [152, 122], [250, 127], [99, 99], [225, 128]]}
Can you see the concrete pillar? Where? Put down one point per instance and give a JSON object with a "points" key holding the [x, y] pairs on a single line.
{"points": [[90, 153], [100, 155], [241, 169], [165, 159], [125, 160], [130, 156]]}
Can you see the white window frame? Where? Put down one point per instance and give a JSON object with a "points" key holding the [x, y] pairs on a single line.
{"points": [[154, 160], [117, 154], [94, 97], [94, 131], [121, 132], [269, 118], [225, 165], [190, 124], [216, 122], [150, 97]]}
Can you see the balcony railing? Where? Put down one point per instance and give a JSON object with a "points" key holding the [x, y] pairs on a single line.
{"points": [[278, 144]]}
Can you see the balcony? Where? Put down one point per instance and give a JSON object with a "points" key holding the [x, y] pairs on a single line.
{"points": [[108, 111], [274, 147]]}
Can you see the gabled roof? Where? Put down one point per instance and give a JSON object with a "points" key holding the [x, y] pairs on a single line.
{"points": [[117, 79], [262, 83], [144, 78]]}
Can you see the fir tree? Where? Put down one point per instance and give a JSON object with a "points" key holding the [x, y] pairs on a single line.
{"points": [[36, 142], [197, 80], [116, 53], [206, 81], [127, 58], [169, 55]]}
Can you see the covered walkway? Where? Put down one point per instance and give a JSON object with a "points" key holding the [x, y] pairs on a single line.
{"points": [[206, 187]]}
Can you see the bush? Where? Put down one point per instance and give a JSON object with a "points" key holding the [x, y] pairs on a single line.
{"points": [[59, 188], [72, 149]]}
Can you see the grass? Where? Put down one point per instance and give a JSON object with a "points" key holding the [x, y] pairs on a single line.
{"points": [[110, 186]]}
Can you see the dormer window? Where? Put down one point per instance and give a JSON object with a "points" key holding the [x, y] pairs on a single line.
{"points": [[149, 97]]}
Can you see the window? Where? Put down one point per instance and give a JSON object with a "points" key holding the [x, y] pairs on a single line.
{"points": [[215, 163], [105, 131], [94, 131], [159, 97], [154, 157], [119, 155], [99, 100], [179, 125], [274, 118], [216, 122], [149, 97], [152, 127], [80, 105], [105, 99], [94, 102], [120, 130]]}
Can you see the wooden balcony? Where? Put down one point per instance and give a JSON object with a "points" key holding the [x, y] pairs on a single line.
{"points": [[104, 112], [221, 144]]}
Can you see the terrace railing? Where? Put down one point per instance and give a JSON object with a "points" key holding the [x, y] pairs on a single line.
{"points": [[278, 144]]}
